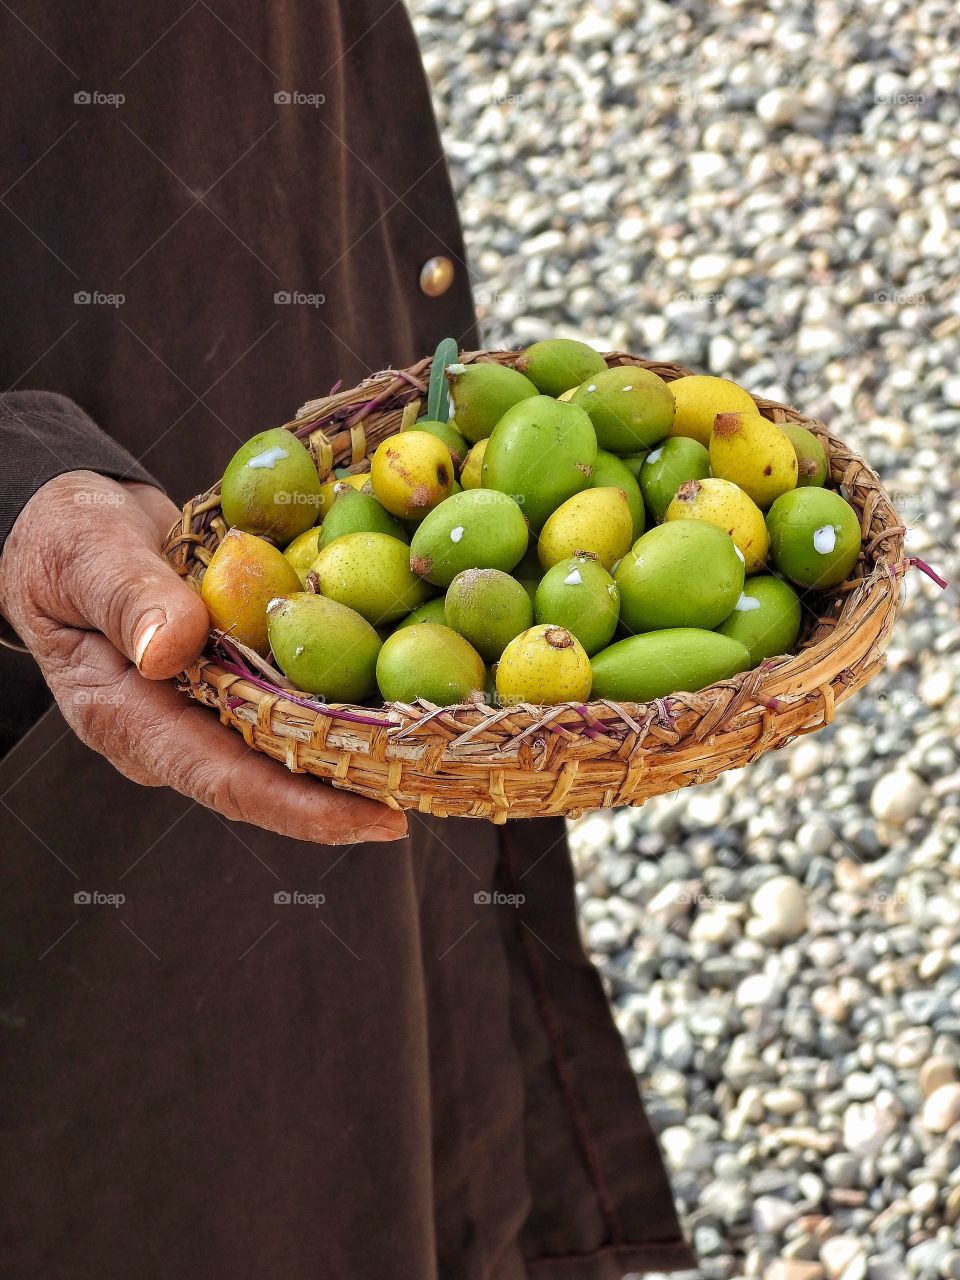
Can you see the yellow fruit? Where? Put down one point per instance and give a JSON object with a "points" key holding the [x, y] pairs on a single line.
{"points": [[243, 576], [754, 454], [597, 520], [545, 664], [471, 475], [721, 503], [699, 398], [567, 396], [412, 472], [302, 552], [370, 573]]}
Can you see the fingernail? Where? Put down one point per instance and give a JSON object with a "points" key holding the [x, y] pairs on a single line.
{"points": [[149, 627]]}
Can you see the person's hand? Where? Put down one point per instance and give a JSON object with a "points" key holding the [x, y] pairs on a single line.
{"points": [[83, 582]]}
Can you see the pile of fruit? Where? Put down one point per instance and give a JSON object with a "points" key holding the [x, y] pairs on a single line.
{"points": [[501, 555]]}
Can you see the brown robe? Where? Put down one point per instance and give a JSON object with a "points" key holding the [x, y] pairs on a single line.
{"points": [[199, 1082]]}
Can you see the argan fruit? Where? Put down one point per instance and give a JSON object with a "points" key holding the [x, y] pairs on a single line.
{"points": [[675, 660], [430, 662], [359, 480], [271, 487], [471, 475], [302, 552], [766, 618], [488, 608], [579, 595], [448, 433], [686, 573], [431, 611], [543, 665], [482, 393], [597, 520], [610, 472], [699, 397], [323, 647], [814, 537], [370, 572], [811, 455], [666, 468], [556, 365], [754, 454], [630, 408], [412, 473], [476, 529], [356, 512], [720, 502], [243, 576]]}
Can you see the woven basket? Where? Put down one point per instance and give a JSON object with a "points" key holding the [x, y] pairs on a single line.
{"points": [[480, 761]]}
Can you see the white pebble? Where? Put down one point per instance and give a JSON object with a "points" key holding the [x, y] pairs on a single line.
{"points": [[897, 796]]}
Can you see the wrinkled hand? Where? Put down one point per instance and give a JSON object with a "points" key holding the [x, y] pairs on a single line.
{"points": [[83, 582]]}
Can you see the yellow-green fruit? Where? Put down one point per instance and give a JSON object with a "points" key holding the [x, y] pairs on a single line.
{"points": [[567, 396], [666, 468], [766, 618], [597, 520], [754, 454], [323, 647], [634, 462], [677, 660], [811, 455], [330, 488], [302, 552], [243, 576], [412, 473], [370, 572], [556, 365], [448, 433], [544, 665], [686, 573], [610, 472], [271, 487], [482, 393], [814, 537], [488, 608], [356, 512], [431, 662], [720, 502], [630, 408], [541, 452], [476, 529], [579, 595], [471, 475], [699, 398], [432, 611]]}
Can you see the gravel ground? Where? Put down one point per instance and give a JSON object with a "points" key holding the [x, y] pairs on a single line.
{"points": [[770, 193]]}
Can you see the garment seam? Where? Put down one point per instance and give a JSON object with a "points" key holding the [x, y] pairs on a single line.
{"points": [[554, 1031]]}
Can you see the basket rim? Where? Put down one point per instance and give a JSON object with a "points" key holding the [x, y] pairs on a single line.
{"points": [[872, 601]]}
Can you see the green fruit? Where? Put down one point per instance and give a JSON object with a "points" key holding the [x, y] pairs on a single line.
{"points": [[811, 455], [634, 462], [370, 572], [683, 574], [243, 576], [543, 665], [597, 520], [668, 467], [432, 611], [579, 595], [675, 660], [357, 512], [448, 433], [766, 618], [488, 608], [482, 393], [476, 529], [609, 472], [814, 537], [271, 487], [430, 662], [323, 647], [630, 408], [541, 453], [558, 364]]}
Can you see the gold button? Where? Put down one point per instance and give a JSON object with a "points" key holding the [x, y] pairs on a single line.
{"points": [[436, 276]]}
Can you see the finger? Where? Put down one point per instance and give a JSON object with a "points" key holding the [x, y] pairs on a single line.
{"points": [[145, 727]]}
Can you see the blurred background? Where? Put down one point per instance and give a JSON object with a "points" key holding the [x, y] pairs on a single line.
{"points": [[769, 192]]}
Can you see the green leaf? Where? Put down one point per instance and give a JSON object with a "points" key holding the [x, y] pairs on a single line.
{"points": [[438, 399]]}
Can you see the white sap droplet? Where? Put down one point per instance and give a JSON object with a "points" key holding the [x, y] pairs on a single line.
{"points": [[825, 539], [456, 369], [630, 388], [274, 603], [267, 460], [457, 533], [746, 604], [655, 455], [573, 578], [612, 589], [298, 650], [740, 553], [592, 386]]}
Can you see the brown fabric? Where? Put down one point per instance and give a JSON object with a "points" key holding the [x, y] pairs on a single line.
{"points": [[407, 1080]]}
